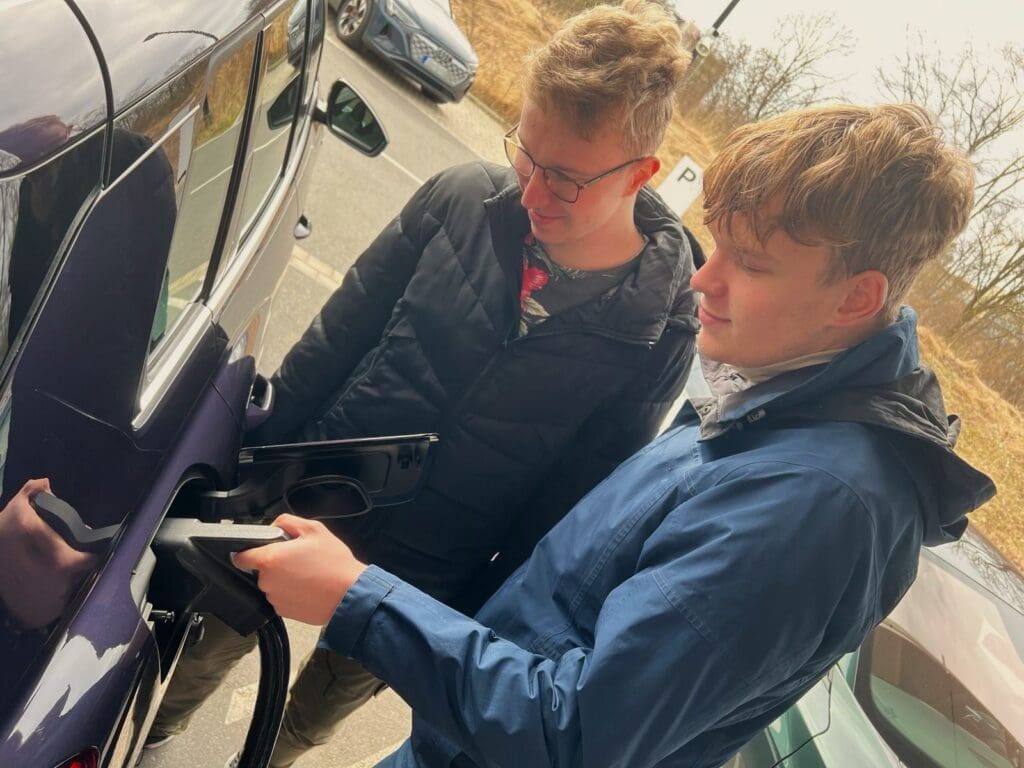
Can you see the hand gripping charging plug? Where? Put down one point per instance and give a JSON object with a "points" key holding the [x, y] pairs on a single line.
{"points": [[195, 574]]}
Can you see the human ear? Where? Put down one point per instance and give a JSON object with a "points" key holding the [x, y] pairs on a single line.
{"points": [[864, 298], [643, 171]]}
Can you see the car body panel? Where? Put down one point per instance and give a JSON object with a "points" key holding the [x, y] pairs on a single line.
{"points": [[945, 689], [437, 23], [146, 47], [53, 78], [127, 422]]}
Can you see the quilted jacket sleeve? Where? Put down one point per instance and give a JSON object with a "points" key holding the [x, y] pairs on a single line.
{"points": [[350, 324], [610, 436]]}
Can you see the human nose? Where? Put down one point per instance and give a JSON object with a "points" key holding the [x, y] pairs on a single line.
{"points": [[535, 191], [708, 279]]}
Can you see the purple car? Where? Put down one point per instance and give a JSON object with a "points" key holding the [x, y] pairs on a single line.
{"points": [[153, 172]]}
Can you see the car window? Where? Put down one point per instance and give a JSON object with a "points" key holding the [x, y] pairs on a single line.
{"points": [[277, 103], [981, 738], [214, 131], [907, 695]]}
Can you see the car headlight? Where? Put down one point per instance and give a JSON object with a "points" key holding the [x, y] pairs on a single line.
{"points": [[392, 8]]}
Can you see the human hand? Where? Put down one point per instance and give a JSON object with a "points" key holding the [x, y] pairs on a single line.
{"points": [[304, 578], [38, 570]]}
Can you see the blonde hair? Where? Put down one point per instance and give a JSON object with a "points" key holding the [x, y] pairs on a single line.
{"points": [[612, 66], [879, 185]]}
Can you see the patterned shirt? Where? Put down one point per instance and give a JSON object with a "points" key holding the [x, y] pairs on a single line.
{"points": [[549, 288]]}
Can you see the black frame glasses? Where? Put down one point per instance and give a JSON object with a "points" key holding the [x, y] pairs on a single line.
{"points": [[557, 182]]}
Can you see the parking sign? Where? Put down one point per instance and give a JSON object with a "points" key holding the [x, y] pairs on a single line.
{"points": [[683, 185]]}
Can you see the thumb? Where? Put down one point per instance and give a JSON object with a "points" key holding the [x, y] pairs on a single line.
{"points": [[250, 559], [32, 487]]}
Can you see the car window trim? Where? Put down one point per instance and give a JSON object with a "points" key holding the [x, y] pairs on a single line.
{"points": [[240, 260], [162, 367]]}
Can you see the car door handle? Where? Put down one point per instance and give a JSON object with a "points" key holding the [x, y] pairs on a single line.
{"points": [[261, 402]]}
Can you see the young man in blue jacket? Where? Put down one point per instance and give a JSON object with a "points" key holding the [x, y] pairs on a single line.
{"points": [[694, 595]]}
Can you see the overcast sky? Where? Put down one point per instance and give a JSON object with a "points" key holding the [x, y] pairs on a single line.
{"points": [[879, 25]]}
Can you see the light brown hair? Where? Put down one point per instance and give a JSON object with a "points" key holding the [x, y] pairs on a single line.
{"points": [[879, 185], [612, 66]]}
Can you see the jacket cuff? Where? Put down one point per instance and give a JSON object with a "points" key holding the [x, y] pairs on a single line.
{"points": [[346, 628]]}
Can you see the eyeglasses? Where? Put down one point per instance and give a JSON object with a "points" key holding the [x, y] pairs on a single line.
{"points": [[564, 188]]}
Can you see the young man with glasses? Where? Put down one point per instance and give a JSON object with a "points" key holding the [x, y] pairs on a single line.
{"points": [[692, 597], [538, 317]]}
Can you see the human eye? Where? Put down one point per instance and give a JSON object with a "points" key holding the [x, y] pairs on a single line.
{"points": [[747, 263], [559, 182]]}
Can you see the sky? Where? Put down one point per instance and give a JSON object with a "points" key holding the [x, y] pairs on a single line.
{"points": [[880, 26]]}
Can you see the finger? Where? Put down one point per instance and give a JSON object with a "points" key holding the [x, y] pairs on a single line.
{"points": [[296, 526], [32, 487], [251, 559]]}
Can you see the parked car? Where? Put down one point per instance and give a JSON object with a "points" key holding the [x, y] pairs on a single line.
{"points": [[939, 684], [153, 172], [417, 37]]}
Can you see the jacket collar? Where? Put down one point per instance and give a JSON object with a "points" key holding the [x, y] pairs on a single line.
{"points": [[881, 383], [656, 294], [887, 356]]}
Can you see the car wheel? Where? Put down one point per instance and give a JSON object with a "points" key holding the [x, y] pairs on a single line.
{"points": [[353, 16]]}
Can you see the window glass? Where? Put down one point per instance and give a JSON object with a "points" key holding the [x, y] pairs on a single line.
{"points": [[214, 133], [283, 44], [36, 212], [981, 738], [908, 698]]}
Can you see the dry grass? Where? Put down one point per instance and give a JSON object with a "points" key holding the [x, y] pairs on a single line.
{"points": [[504, 31], [992, 440]]}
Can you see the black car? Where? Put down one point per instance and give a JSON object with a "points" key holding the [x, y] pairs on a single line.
{"points": [[153, 173]]}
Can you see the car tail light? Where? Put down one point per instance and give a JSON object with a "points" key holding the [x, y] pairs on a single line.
{"points": [[87, 758]]}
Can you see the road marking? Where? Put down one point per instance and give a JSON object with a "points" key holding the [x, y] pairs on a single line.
{"points": [[312, 267], [403, 169]]}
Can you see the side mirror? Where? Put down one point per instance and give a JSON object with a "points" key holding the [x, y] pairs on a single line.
{"points": [[350, 118]]}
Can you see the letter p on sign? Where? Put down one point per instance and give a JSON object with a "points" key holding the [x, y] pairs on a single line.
{"points": [[683, 185]]}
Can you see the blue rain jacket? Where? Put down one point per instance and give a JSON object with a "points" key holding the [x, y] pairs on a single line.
{"points": [[694, 595]]}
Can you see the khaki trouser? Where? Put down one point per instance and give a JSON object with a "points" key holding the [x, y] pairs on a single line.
{"points": [[329, 687]]}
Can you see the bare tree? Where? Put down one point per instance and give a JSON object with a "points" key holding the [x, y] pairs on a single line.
{"points": [[980, 102], [762, 82]]}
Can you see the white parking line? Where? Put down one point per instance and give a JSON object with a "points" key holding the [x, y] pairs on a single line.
{"points": [[315, 269], [416, 179]]}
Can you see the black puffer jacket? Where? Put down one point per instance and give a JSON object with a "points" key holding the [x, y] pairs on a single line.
{"points": [[421, 337]]}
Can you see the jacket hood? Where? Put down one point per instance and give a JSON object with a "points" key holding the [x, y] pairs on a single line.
{"points": [[879, 382], [657, 294]]}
